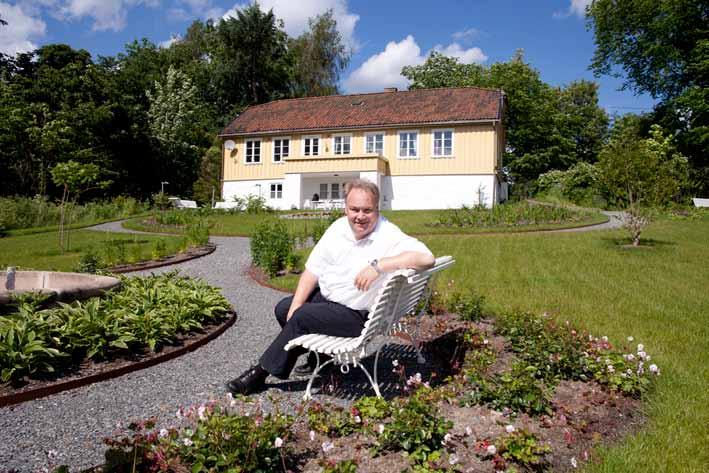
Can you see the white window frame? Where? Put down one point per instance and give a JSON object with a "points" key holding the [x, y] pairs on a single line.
{"points": [[416, 144], [273, 151], [374, 142], [343, 136], [311, 137], [274, 191], [246, 151], [433, 142]]}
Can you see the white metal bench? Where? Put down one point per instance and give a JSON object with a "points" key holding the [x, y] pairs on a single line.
{"points": [[398, 297]]}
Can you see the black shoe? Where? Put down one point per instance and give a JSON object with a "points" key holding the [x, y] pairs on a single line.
{"points": [[250, 381]]}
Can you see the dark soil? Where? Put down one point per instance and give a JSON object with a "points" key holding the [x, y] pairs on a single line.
{"points": [[123, 362], [585, 415]]}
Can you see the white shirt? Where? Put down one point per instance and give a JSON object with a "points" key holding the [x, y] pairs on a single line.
{"points": [[339, 257]]}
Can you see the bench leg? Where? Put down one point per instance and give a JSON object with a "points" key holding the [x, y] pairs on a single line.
{"points": [[374, 384], [317, 369]]}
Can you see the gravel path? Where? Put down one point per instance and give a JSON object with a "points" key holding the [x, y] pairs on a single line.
{"points": [[74, 422]]}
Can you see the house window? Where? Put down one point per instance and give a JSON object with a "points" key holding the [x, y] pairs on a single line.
{"points": [[281, 149], [374, 143], [276, 191], [323, 192], [442, 143], [408, 144], [335, 190], [342, 144], [311, 145], [253, 151]]}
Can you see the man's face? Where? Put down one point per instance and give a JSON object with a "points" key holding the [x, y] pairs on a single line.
{"points": [[362, 212]]}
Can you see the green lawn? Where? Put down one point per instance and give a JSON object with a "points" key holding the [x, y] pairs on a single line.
{"points": [[411, 221], [41, 250], [657, 294]]}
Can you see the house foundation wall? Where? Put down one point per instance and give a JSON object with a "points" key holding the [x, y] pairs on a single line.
{"points": [[243, 189], [438, 192]]}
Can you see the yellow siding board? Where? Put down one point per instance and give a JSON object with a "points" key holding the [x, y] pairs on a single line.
{"points": [[477, 149]]}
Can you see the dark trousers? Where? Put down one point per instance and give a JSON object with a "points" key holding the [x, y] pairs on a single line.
{"points": [[317, 315]]}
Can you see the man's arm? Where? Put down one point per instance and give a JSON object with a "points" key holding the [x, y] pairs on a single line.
{"points": [[306, 285], [406, 260]]}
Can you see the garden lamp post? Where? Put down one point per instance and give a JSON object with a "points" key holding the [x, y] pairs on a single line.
{"points": [[162, 186]]}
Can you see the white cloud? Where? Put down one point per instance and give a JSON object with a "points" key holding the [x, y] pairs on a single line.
{"points": [[169, 42], [384, 69], [466, 35], [576, 8], [465, 56], [21, 29], [295, 15], [106, 14]]}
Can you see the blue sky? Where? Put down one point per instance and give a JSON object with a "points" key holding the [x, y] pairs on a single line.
{"points": [[384, 34]]}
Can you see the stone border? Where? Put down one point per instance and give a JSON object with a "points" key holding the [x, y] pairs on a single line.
{"points": [[256, 275], [61, 386], [191, 254]]}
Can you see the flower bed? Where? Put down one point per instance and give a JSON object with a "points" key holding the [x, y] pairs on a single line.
{"points": [[146, 314], [520, 393]]}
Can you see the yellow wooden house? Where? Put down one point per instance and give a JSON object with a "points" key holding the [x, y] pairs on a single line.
{"points": [[426, 149]]}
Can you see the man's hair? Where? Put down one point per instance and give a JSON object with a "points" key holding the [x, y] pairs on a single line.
{"points": [[365, 185]]}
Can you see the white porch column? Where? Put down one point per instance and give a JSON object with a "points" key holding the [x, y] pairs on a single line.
{"points": [[292, 191]]}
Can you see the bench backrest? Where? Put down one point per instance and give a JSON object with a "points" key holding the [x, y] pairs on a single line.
{"points": [[399, 297]]}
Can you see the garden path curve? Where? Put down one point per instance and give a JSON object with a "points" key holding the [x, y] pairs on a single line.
{"points": [[73, 423]]}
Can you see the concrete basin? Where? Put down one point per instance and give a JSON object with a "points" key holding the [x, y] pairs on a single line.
{"points": [[63, 286]]}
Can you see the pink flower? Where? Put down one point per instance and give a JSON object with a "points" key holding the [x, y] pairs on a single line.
{"points": [[327, 446], [491, 449], [278, 443], [312, 435], [510, 428]]}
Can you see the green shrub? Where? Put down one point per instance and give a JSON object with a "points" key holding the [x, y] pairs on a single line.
{"points": [[89, 262], [508, 215], [197, 233], [270, 246], [523, 448], [146, 313], [469, 306], [579, 184]]}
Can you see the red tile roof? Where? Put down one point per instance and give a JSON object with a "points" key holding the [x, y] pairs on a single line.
{"points": [[465, 104]]}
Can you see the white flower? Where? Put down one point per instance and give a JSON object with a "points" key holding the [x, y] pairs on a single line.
{"points": [[232, 403], [653, 368], [573, 460], [417, 376], [642, 354], [357, 419], [630, 357], [629, 372], [610, 368], [447, 438], [229, 396], [395, 363], [491, 449], [178, 414], [469, 431], [201, 411], [453, 459], [52, 454], [604, 338], [486, 341], [327, 446], [510, 428], [630, 339], [187, 442], [380, 428], [312, 435], [163, 433], [641, 347], [278, 443]]}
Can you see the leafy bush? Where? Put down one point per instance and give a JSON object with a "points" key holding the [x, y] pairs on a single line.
{"points": [[469, 306], [415, 427], [579, 184], [23, 212], [146, 313], [270, 246], [508, 215], [214, 440], [522, 447]]}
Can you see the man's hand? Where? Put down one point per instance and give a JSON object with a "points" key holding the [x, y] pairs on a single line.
{"points": [[365, 278]]}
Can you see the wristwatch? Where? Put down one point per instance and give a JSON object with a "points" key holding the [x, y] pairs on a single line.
{"points": [[375, 264]]}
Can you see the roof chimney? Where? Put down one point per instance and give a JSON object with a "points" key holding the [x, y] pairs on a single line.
{"points": [[390, 89]]}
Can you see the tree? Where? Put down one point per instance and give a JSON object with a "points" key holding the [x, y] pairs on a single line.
{"points": [[640, 173], [319, 56], [547, 128], [176, 123], [209, 179], [74, 178], [662, 48]]}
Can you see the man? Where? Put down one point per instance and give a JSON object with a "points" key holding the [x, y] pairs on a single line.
{"points": [[342, 276]]}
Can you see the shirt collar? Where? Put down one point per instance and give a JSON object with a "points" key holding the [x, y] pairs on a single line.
{"points": [[371, 237]]}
